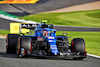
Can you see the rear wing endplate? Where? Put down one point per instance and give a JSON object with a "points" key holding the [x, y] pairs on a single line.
{"points": [[21, 28]]}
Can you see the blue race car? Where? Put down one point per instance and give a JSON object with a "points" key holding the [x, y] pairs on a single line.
{"points": [[45, 43]]}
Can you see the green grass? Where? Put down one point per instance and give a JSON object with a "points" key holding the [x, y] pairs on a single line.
{"points": [[92, 39], [4, 32], [79, 18]]}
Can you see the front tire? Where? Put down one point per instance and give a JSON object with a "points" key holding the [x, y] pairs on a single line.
{"points": [[24, 46], [78, 45]]}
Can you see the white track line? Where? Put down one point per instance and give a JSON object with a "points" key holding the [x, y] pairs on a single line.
{"points": [[2, 37], [93, 56], [87, 53], [17, 19]]}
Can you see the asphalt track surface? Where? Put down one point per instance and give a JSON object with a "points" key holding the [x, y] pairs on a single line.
{"points": [[41, 6], [11, 60], [5, 24]]}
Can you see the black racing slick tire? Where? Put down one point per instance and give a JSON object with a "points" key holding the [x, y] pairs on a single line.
{"points": [[25, 43], [78, 45], [11, 42]]}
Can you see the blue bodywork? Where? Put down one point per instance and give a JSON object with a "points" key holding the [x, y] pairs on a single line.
{"points": [[51, 36]]}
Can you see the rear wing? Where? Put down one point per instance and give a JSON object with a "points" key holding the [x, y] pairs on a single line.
{"points": [[21, 28]]}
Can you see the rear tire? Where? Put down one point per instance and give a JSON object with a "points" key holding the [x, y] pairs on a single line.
{"points": [[11, 42]]}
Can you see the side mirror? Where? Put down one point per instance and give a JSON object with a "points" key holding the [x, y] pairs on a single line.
{"points": [[64, 34], [51, 26]]}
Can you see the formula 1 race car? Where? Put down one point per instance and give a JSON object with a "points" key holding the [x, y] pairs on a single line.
{"points": [[45, 43]]}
